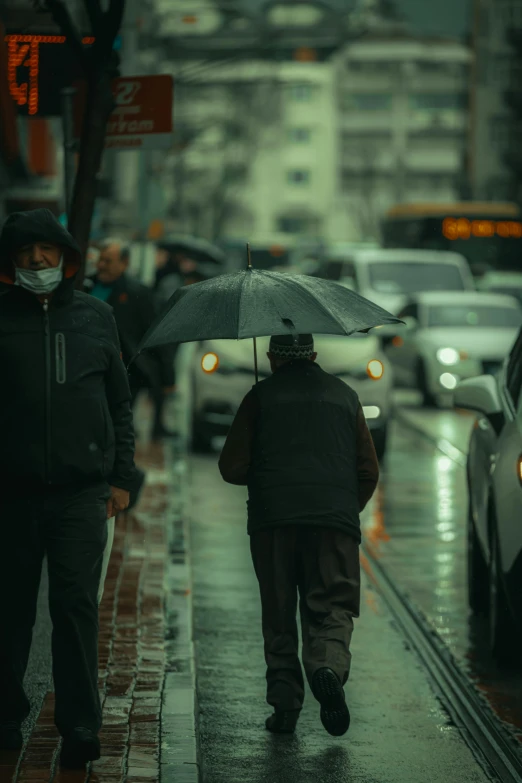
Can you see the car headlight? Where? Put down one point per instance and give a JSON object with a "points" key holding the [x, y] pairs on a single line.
{"points": [[375, 369], [209, 362], [448, 356]]}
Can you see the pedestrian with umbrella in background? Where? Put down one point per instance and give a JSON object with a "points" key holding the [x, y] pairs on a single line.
{"points": [[183, 261], [300, 444]]}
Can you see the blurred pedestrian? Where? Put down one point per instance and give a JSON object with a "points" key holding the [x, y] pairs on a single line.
{"points": [[300, 443], [134, 310], [173, 271], [67, 466]]}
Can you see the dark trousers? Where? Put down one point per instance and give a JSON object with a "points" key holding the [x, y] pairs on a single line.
{"points": [[70, 528], [321, 565], [158, 401]]}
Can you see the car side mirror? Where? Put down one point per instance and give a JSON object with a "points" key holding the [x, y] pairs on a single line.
{"points": [[481, 394], [388, 332], [410, 323]]}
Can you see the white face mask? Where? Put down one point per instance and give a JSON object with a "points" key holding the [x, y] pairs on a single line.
{"points": [[41, 281]]}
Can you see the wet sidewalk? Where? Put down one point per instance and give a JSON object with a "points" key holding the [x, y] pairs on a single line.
{"points": [[146, 674], [399, 731]]}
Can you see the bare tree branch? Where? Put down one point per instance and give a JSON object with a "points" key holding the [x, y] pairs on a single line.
{"points": [[64, 20]]}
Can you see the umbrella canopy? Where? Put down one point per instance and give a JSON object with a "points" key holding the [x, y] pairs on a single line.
{"points": [[197, 249], [257, 304]]}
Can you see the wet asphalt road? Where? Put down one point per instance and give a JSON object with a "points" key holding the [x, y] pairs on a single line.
{"points": [[399, 731], [416, 526]]}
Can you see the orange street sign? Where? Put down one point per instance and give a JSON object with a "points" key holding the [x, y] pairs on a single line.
{"points": [[142, 118]]}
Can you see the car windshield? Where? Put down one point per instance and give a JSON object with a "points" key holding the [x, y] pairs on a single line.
{"points": [[401, 277], [465, 315]]}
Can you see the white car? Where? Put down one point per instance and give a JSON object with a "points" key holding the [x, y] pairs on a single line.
{"points": [[494, 473], [223, 373], [389, 277], [509, 283], [449, 336]]}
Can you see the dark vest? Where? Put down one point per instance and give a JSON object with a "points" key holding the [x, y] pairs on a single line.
{"points": [[304, 455]]}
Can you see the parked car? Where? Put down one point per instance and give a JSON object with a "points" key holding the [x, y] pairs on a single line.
{"points": [[494, 475], [509, 283], [223, 374], [449, 336], [389, 277]]}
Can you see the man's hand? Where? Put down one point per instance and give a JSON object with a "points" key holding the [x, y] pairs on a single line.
{"points": [[167, 390], [118, 501]]}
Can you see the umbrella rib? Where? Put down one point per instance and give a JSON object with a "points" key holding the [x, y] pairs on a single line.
{"points": [[243, 281], [316, 301]]}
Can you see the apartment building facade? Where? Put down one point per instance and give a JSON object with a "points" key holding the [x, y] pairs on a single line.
{"points": [[403, 108]]}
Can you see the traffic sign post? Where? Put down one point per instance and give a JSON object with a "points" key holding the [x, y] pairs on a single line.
{"points": [[142, 118]]}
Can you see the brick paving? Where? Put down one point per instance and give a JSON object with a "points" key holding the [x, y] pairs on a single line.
{"points": [[132, 652]]}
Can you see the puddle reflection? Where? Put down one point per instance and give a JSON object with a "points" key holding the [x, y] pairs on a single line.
{"points": [[416, 526]]}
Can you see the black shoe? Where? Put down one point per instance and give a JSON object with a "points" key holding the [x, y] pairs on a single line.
{"points": [[282, 722], [79, 747], [335, 715], [10, 735]]}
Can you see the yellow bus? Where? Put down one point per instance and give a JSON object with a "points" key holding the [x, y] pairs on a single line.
{"points": [[488, 234]]}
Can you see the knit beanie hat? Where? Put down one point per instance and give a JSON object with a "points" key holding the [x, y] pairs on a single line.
{"points": [[286, 346]]}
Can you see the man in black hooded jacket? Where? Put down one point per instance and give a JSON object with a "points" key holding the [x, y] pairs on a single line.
{"points": [[67, 465]]}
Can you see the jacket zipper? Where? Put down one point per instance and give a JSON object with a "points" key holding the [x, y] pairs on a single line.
{"points": [[47, 333]]}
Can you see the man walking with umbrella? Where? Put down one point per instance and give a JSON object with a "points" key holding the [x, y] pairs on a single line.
{"points": [[301, 444]]}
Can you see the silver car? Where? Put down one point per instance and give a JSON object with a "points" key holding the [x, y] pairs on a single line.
{"points": [[450, 336], [223, 373], [389, 277], [494, 473], [509, 283]]}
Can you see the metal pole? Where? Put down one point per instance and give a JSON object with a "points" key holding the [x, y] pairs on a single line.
{"points": [[69, 145], [249, 258]]}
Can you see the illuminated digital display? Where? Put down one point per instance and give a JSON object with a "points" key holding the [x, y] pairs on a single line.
{"points": [[462, 228], [38, 67]]}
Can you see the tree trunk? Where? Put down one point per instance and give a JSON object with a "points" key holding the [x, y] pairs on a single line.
{"points": [[99, 105]]}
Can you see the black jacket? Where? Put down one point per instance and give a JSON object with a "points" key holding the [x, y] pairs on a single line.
{"points": [[64, 393], [134, 311], [301, 444]]}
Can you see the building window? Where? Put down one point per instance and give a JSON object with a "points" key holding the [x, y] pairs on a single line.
{"points": [[301, 92], [438, 101], [309, 225], [298, 177], [372, 101], [299, 135]]}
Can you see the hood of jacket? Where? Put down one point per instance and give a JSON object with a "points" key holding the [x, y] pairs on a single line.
{"points": [[37, 225]]}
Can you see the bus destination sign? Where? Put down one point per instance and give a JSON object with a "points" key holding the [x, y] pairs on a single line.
{"points": [[462, 228]]}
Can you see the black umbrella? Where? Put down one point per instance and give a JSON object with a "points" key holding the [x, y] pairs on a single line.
{"points": [[197, 249], [254, 304]]}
